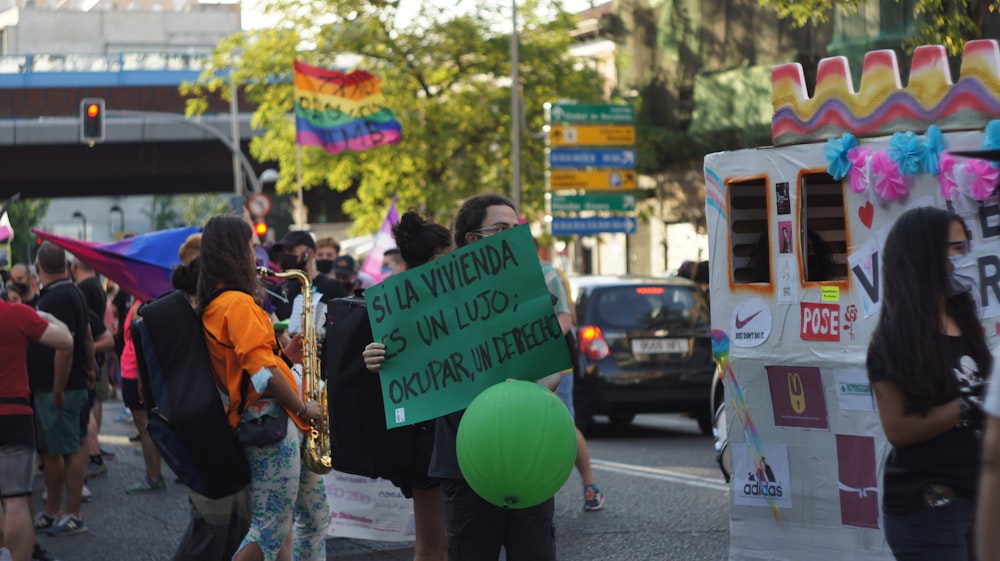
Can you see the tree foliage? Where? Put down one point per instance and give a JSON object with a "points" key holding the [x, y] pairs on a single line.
{"points": [[940, 22], [25, 214], [446, 77], [195, 210]]}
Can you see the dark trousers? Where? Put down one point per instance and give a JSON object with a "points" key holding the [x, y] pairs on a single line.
{"points": [[476, 530], [942, 533]]}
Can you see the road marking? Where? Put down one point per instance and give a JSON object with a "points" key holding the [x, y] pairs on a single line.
{"points": [[661, 474]]}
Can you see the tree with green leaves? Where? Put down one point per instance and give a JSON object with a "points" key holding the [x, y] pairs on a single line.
{"points": [[161, 213], [25, 214], [939, 22], [195, 210], [444, 74]]}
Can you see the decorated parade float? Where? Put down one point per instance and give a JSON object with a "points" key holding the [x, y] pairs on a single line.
{"points": [[791, 328]]}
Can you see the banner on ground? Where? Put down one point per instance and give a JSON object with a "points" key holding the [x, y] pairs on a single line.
{"points": [[367, 509]]}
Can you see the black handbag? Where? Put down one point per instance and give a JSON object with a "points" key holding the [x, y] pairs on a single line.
{"points": [[262, 429]]}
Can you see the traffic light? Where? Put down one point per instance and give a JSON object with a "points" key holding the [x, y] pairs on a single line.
{"points": [[261, 228], [92, 120]]}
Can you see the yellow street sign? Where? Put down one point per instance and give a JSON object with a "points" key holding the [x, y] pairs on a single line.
{"points": [[592, 135], [618, 180]]}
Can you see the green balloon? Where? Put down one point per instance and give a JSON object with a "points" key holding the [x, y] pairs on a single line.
{"points": [[516, 444]]}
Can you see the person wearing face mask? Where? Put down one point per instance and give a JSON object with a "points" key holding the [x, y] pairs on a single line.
{"points": [[928, 363], [298, 250], [392, 263], [327, 249], [345, 269], [26, 283]]}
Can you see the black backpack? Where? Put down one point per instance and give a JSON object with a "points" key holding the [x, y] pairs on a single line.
{"points": [[187, 420], [359, 440]]}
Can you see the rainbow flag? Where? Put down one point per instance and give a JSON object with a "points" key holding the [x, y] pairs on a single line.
{"points": [[341, 111]]}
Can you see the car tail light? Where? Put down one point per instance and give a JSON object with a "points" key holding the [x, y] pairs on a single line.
{"points": [[592, 343], [647, 290]]}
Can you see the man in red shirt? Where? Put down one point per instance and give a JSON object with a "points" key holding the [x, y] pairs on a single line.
{"points": [[20, 325]]}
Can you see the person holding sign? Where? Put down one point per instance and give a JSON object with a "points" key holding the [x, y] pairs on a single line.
{"points": [[418, 241], [928, 362], [453, 328], [476, 529]]}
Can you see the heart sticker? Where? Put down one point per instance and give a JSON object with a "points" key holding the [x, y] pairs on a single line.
{"points": [[867, 214]]}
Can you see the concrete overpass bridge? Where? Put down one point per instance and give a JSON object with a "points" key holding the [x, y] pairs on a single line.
{"points": [[148, 148]]}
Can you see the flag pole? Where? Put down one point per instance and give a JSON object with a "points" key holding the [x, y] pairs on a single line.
{"points": [[301, 210]]}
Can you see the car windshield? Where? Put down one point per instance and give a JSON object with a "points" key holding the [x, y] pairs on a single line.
{"points": [[648, 307]]}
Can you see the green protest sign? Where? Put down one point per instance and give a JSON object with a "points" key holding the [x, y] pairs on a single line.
{"points": [[460, 324]]}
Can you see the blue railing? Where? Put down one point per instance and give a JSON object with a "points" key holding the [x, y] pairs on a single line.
{"points": [[138, 68]]}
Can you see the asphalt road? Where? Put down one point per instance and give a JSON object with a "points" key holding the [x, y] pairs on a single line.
{"points": [[665, 501]]}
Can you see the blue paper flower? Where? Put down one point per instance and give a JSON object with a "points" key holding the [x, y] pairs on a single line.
{"points": [[906, 150], [991, 138], [932, 150], [836, 151]]}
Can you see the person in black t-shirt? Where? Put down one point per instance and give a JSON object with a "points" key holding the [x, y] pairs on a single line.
{"points": [[96, 299], [60, 380], [928, 361]]}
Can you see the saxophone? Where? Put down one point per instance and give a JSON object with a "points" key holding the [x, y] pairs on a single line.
{"points": [[316, 446]]}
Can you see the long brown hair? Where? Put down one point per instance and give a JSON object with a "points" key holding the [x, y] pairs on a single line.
{"points": [[907, 338], [226, 260]]}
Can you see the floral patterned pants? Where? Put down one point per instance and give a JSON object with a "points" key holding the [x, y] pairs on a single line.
{"points": [[282, 488]]}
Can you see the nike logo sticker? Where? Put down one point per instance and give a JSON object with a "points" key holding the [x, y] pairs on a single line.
{"points": [[740, 323]]}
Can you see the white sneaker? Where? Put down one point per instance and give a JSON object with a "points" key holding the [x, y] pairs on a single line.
{"points": [[86, 497]]}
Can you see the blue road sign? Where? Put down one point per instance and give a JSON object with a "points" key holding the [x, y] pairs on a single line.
{"points": [[582, 157], [594, 225]]}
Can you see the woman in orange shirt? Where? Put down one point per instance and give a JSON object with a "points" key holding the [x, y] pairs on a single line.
{"points": [[242, 344]]}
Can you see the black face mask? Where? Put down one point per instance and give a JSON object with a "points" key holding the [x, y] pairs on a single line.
{"points": [[21, 287], [292, 262], [324, 266]]}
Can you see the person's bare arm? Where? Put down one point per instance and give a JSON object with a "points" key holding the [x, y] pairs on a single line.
{"points": [[56, 335], [286, 394], [62, 363], [565, 321], [904, 429], [988, 505], [104, 342]]}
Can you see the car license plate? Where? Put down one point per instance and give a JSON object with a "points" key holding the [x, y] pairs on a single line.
{"points": [[654, 346]]}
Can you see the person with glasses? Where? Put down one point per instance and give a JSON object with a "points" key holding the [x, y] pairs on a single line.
{"points": [[928, 363], [476, 530]]}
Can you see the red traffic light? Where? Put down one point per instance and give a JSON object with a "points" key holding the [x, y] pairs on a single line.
{"points": [[260, 228], [92, 120]]}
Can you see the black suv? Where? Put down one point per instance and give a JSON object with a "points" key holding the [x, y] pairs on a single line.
{"points": [[644, 347]]}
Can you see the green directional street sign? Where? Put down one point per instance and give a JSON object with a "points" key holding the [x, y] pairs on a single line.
{"points": [[586, 113], [595, 202]]}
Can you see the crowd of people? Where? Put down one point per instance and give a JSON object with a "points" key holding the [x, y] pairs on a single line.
{"points": [[70, 344]]}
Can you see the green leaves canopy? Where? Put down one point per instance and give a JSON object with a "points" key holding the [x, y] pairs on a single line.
{"points": [[446, 77], [940, 22]]}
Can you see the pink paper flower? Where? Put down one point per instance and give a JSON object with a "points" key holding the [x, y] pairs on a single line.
{"points": [[857, 176], [949, 189], [889, 182], [985, 182]]}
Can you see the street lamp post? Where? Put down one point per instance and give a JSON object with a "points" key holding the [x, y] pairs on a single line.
{"points": [[238, 183], [121, 220], [515, 114], [83, 218]]}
